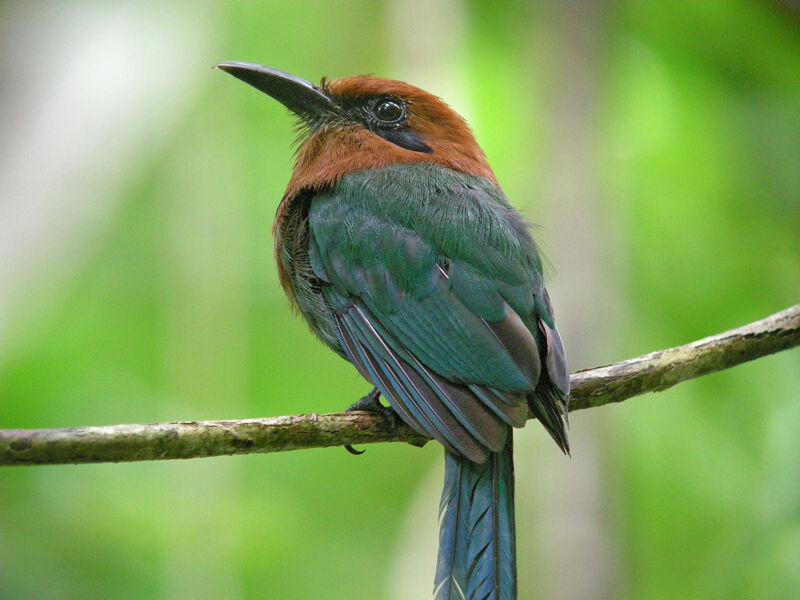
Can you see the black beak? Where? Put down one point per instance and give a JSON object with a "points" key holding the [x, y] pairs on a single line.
{"points": [[302, 97]]}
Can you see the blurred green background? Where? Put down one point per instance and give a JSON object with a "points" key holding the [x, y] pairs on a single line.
{"points": [[658, 145]]}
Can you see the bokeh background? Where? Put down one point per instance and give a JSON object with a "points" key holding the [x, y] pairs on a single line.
{"points": [[658, 145]]}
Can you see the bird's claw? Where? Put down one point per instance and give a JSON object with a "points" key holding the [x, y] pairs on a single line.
{"points": [[370, 403]]}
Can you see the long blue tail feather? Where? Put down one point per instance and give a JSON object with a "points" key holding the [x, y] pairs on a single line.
{"points": [[477, 540]]}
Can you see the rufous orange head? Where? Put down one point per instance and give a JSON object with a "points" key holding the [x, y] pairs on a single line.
{"points": [[365, 122]]}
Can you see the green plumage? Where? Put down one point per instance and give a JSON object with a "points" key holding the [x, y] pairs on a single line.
{"points": [[477, 546], [380, 236], [424, 277], [428, 281]]}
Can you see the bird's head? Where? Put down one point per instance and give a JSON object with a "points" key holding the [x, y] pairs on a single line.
{"points": [[365, 122]]}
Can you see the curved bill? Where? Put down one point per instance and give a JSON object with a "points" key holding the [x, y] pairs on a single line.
{"points": [[302, 97]]}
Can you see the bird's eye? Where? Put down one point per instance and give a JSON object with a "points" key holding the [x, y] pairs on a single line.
{"points": [[389, 111]]}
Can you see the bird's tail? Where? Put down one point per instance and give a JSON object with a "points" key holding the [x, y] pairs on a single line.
{"points": [[477, 541]]}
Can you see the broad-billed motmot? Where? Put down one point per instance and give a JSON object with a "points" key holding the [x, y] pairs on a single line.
{"points": [[397, 245]]}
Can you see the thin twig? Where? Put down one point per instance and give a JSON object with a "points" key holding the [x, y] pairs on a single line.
{"points": [[591, 387]]}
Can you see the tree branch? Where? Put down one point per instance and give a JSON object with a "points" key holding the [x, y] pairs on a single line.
{"points": [[591, 387]]}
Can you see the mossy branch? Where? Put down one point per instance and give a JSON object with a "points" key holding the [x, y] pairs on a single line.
{"points": [[591, 387]]}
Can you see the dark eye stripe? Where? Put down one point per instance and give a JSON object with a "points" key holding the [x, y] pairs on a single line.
{"points": [[405, 139]]}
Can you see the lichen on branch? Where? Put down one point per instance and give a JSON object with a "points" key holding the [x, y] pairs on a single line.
{"points": [[195, 439]]}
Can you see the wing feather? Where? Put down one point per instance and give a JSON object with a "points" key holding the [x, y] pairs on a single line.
{"points": [[456, 336]]}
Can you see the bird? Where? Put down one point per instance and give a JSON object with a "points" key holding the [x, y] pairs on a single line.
{"points": [[397, 245]]}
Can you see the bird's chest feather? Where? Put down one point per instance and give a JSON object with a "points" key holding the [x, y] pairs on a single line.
{"points": [[296, 276]]}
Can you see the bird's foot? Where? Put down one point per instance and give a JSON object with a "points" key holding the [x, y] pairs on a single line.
{"points": [[371, 403]]}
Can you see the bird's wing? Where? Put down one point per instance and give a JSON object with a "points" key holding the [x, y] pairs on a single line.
{"points": [[455, 342]]}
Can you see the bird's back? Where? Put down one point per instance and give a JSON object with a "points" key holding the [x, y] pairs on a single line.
{"points": [[449, 274]]}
